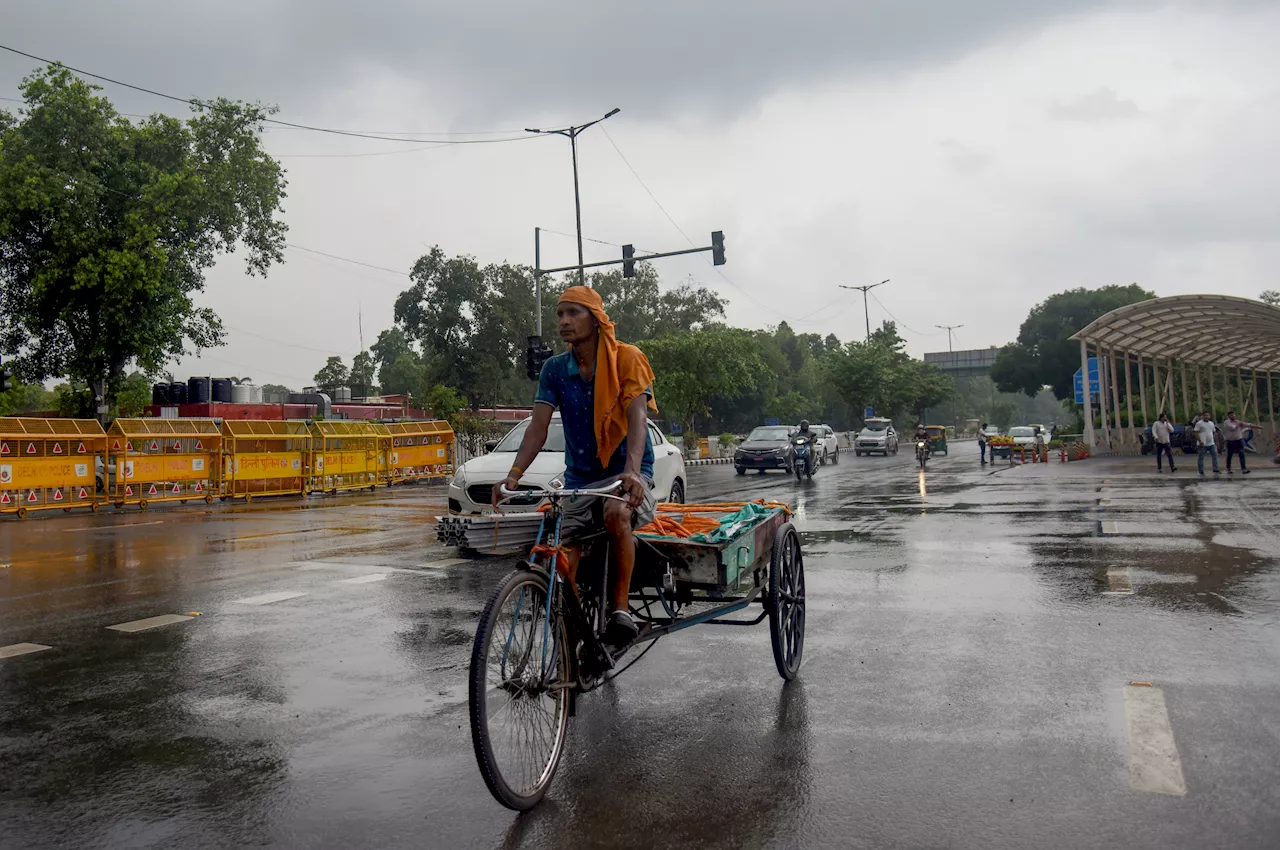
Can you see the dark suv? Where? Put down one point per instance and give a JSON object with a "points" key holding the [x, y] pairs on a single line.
{"points": [[767, 447]]}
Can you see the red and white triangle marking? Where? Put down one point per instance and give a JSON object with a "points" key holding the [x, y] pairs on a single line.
{"points": [[57, 495], [176, 488], [177, 446], [80, 450], [31, 497], [198, 487], [152, 491], [4, 498], [155, 445], [128, 491], [4, 448], [57, 448], [31, 448], [83, 494], [199, 446]]}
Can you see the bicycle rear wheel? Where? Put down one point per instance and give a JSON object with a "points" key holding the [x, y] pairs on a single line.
{"points": [[519, 694]]}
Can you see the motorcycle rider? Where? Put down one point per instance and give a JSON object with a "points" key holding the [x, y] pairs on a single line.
{"points": [[922, 436], [809, 436]]}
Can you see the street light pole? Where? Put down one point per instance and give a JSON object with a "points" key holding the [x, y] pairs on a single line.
{"points": [[948, 329], [571, 133], [865, 311]]}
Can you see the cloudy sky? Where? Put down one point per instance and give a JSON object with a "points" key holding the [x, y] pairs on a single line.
{"points": [[981, 155]]}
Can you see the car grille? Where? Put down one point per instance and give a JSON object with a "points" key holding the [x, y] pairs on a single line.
{"points": [[482, 494]]}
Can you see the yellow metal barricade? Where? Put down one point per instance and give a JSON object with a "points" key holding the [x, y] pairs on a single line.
{"points": [[163, 460], [419, 450], [265, 458], [49, 463], [347, 455]]}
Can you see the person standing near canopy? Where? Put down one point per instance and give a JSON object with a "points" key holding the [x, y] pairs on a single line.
{"points": [[602, 388]]}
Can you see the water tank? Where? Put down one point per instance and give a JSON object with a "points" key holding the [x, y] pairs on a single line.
{"points": [[341, 395], [159, 393], [255, 394], [198, 391], [177, 393], [240, 393], [221, 390]]}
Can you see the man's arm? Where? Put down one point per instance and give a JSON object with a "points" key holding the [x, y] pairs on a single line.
{"points": [[637, 436], [535, 436]]}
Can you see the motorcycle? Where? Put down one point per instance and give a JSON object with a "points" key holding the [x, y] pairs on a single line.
{"points": [[803, 461], [922, 452]]}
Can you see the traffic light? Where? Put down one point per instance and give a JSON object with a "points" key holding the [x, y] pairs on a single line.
{"points": [[6, 378], [628, 264], [717, 248]]}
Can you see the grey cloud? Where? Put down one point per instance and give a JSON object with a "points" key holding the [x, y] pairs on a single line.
{"points": [[1097, 107], [506, 58]]}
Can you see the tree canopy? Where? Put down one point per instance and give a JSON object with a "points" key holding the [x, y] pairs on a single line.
{"points": [[107, 227], [1044, 354]]}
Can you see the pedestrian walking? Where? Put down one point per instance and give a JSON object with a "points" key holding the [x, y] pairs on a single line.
{"points": [[1162, 436], [1233, 431], [1205, 443], [982, 443]]}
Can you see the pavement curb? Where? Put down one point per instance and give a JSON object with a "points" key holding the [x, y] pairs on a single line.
{"points": [[708, 461]]}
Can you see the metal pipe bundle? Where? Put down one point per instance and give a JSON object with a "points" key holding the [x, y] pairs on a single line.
{"points": [[489, 533]]}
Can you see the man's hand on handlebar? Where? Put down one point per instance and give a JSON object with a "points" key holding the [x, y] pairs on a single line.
{"points": [[633, 487], [511, 482]]}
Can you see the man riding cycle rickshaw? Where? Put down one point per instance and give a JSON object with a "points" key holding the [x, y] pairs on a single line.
{"points": [[601, 387]]}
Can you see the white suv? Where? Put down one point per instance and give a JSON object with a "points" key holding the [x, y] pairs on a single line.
{"points": [[830, 444], [877, 435], [471, 489]]}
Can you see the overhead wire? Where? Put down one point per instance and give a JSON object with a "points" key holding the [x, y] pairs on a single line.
{"points": [[191, 101], [897, 321]]}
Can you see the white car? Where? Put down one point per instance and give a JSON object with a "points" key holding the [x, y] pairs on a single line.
{"points": [[1025, 435], [877, 435], [830, 445], [471, 489]]}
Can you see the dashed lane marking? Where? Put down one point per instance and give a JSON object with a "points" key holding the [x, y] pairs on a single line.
{"points": [[13, 650], [371, 577], [150, 623], [268, 598], [1119, 582], [1154, 764], [1109, 526]]}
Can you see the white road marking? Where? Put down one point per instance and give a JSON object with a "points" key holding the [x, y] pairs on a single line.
{"points": [[371, 577], [1154, 765], [268, 598], [1119, 582], [438, 565], [151, 623], [1110, 527], [13, 650]]}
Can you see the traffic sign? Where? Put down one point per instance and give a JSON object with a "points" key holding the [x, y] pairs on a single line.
{"points": [[1094, 382]]}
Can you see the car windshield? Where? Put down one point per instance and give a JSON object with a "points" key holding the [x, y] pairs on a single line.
{"points": [[770, 433], [1022, 432], [874, 425], [555, 437]]}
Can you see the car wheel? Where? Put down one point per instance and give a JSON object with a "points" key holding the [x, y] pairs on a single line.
{"points": [[835, 458], [857, 453], [677, 493], [822, 461], [740, 470], [760, 471]]}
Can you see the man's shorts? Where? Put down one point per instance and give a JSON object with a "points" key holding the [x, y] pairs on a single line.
{"points": [[583, 514]]}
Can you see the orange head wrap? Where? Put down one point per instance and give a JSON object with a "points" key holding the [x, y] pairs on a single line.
{"points": [[622, 374]]}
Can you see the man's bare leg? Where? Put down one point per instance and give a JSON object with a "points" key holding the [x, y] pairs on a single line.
{"points": [[617, 520]]}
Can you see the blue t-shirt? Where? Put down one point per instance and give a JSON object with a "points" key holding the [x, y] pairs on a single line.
{"points": [[561, 386]]}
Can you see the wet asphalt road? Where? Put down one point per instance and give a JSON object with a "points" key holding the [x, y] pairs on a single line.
{"points": [[971, 638]]}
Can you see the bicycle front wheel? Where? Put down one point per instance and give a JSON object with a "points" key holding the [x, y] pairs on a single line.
{"points": [[519, 691]]}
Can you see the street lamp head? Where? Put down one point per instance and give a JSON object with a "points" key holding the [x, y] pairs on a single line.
{"points": [[612, 112], [532, 130], [886, 280]]}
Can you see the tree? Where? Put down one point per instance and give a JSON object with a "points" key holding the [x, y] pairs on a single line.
{"points": [[362, 368], [133, 395], [107, 228], [693, 368], [444, 402], [274, 391], [391, 345], [406, 376], [1271, 296], [27, 398], [333, 374], [1044, 354]]}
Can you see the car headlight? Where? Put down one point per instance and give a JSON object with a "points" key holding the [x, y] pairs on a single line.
{"points": [[460, 477]]}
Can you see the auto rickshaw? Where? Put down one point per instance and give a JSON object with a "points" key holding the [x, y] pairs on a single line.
{"points": [[937, 438]]}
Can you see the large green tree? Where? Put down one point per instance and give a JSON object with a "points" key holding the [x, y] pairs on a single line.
{"points": [[362, 373], [107, 227], [334, 373], [693, 368], [1044, 353]]}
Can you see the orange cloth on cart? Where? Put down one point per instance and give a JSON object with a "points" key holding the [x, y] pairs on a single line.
{"points": [[622, 374]]}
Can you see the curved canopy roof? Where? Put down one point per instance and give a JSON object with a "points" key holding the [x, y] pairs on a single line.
{"points": [[1213, 330]]}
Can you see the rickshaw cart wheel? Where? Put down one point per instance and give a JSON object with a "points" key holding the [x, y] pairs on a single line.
{"points": [[786, 602]]}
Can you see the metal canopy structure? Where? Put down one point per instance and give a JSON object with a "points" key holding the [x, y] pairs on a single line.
{"points": [[1219, 346]]}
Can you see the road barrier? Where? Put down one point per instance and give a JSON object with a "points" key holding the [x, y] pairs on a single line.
{"points": [[419, 450], [49, 463], [261, 458], [347, 455], [163, 460]]}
